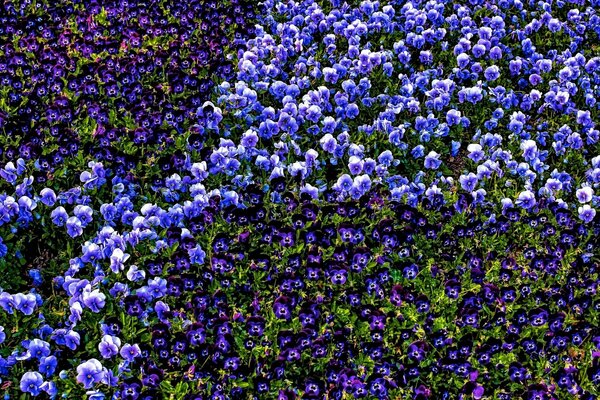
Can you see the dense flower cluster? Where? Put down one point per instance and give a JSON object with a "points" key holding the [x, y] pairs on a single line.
{"points": [[105, 76], [347, 199], [317, 310]]}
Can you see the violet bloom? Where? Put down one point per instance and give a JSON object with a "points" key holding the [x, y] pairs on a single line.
{"points": [[468, 182], [9, 172], [362, 183], [311, 191], [478, 392], [134, 274], [130, 351], [344, 182], [538, 317], [83, 213], [117, 259], [59, 216], [38, 349], [31, 383], [432, 160], [48, 365], [526, 200], [48, 197], [157, 287], [479, 50], [386, 158], [196, 336], [495, 53], [352, 111], [426, 57], [328, 143], [94, 299], [530, 151], [282, 308], [554, 25], [586, 213], [339, 276], [91, 253], [476, 152], [355, 165], [72, 339], [584, 194], [249, 139], [584, 118], [416, 351], [492, 73], [197, 255], [411, 271], [74, 227], [25, 303], [162, 310], [130, 390], [517, 372], [75, 312], [453, 117], [109, 346], [89, 373]]}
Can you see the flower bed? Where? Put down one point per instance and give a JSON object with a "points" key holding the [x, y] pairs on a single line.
{"points": [[311, 199]]}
